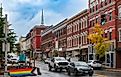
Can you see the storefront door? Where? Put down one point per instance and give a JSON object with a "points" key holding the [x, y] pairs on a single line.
{"points": [[110, 59]]}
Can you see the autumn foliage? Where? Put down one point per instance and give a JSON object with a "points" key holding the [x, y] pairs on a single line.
{"points": [[96, 38]]}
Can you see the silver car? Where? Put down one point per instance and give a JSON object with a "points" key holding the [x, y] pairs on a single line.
{"points": [[79, 67]]}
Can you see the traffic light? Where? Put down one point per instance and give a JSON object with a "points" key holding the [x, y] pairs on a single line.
{"points": [[103, 19]]}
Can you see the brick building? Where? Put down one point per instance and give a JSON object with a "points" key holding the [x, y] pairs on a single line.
{"points": [[110, 11], [59, 31], [47, 42], [77, 32], [54, 38], [33, 39], [70, 36]]}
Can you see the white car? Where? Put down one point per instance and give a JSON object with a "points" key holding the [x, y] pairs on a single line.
{"points": [[14, 59], [48, 60], [95, 63], [58, 63]]}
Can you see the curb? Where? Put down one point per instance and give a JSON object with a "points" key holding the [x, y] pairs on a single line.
{"points": [[113, 70]]}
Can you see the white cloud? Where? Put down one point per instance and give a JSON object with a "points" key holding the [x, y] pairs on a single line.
{"points": [[73, 7], [15, 9]]}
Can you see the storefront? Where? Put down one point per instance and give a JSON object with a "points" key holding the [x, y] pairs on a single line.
{"points": [[109, 59]]}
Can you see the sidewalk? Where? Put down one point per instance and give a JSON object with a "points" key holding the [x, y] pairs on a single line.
{"points": [[113, 69]]}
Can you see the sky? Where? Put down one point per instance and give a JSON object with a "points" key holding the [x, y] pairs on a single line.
{"points": [[25, 14]]}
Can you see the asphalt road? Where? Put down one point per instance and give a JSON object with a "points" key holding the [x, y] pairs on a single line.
{"points": [[97, 73]]}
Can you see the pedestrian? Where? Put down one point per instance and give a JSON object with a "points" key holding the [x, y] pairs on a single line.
{"points": [[22, 58]]}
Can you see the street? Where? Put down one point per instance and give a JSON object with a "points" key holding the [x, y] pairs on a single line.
{"points": [[97, 73]]}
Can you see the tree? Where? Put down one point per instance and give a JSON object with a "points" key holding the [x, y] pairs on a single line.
{"points": [[55, 53], [11, 35], [12, 40], [96, 38]]}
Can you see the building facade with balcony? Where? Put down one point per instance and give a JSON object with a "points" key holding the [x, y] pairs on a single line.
{"points": [[77, 32]]}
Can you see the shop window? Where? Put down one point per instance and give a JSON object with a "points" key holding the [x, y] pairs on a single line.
{"points": [[90, 56]]}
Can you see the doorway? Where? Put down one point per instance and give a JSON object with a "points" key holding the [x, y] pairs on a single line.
{"points": [[110, 59]]}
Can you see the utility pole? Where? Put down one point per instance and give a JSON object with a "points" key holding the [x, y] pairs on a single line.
{"points": [[7, 46]]}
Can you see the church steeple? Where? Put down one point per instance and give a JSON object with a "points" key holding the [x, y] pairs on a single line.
{"points": [[1, 9], [42, 18]]}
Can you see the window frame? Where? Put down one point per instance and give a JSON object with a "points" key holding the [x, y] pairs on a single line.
{"points": [[119, 34]]}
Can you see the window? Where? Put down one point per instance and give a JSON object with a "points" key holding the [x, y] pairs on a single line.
{"points": [[110, 16], [96, 20], [90, 10], [120, 35], [109, 1], [90, 56], [93, 23], [105, 2], [101, 4], [93, 9], [103, 19], [110, 35], [105, 35], [119, 12], [96, 7]]}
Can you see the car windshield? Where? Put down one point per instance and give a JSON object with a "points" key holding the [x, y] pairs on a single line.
{"points": [[60, 59], [81, 64], [89, 61]]}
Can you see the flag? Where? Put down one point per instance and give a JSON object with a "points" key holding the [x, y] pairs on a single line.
{"points": [[22, 72]]}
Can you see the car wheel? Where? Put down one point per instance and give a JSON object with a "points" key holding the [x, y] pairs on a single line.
{"points": [[49, 67], [90, 74], [55, 67], [69, 73], [75, 72], [60, 69]]}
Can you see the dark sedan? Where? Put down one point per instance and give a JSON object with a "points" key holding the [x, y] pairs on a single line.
{"points": [[80, 68]]}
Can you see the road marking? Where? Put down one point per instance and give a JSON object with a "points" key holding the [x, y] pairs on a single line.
{"points": [[99, 75]]}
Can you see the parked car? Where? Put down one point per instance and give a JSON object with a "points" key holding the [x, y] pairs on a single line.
{"points": [[58, 63], [48, 60], [95, 64], [79, 67], [14, 59]]}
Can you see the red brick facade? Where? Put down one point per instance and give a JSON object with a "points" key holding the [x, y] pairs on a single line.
{"points": [[35, 37], [72, 37]]}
